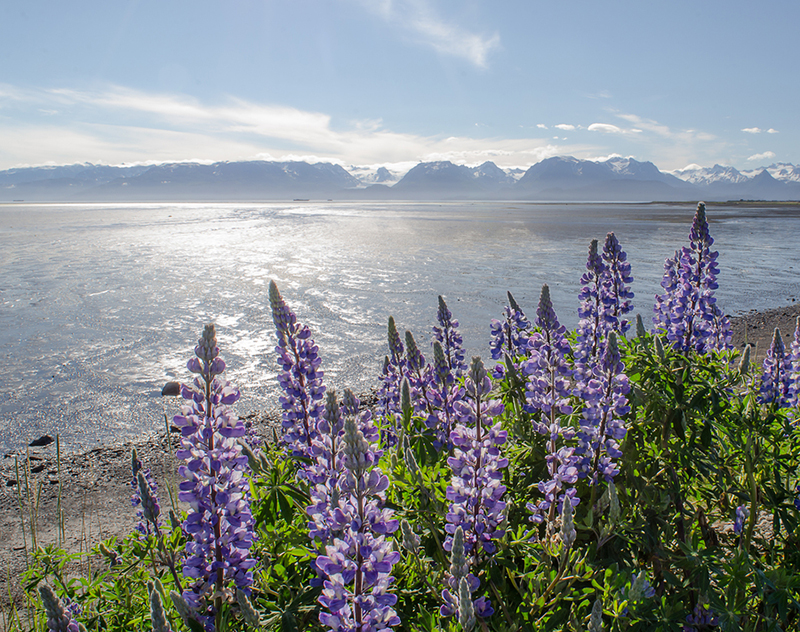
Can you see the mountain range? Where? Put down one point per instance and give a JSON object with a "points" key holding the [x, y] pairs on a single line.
{"points": [[560, 178]]}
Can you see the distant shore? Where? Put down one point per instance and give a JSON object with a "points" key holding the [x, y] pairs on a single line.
{"points": [[95, 486]]}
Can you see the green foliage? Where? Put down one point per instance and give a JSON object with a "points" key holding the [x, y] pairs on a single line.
{"points": [[698, 445]]}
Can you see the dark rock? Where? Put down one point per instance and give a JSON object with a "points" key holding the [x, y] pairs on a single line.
{"points": [[38, 468], [171, 389], [11, 482], [41, 441]]}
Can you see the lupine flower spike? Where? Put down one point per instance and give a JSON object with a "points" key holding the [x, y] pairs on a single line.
{"points": [[59, 619], [145, 496], [687, 312], [219, 524], [447, 335], [547, 394], [776, 378], [300, 376], [357, 565], [616, 290], [509, 336]]}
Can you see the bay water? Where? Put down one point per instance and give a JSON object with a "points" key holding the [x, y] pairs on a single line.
{"points": [[101, 304]]}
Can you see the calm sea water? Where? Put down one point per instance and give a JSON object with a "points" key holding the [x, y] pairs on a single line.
{"points": [[101, 304]]}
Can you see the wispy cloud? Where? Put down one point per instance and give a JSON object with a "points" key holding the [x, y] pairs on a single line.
{"points": [[752, 130], [420, 19], [767, 155], [772, 131], [117, 124], [564, 126], [607, 128]]}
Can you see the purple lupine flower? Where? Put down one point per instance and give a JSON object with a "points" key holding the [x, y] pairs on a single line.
{"points": [[547, 397], [447, 335], [219, 524], [794, 355], [616, 291], [797, 497], [388, 407], [702, 618], [357, 565], [509, 336], [461, 584], [742, 513], [776, 378], [476, 490], [59, 618], [144, 494], [687, 313], [300, 376], [591, 326], [604, 390], [444, 393], [420, 378]]}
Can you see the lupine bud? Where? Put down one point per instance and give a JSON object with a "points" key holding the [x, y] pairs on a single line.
{"points": [[568, 533], [613, 504], [182, 607], [405, 396], [641, 332], [744, 362], [157, 616], [249, 613], [58, 617], [742, 513], [659, 347], [466, 611], [596, 618], [411, 540], [411, 463], [150, 506]]}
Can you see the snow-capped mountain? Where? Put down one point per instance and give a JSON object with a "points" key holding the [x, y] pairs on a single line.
{"points": [[369, 175], [709, 175], [783, 171]]}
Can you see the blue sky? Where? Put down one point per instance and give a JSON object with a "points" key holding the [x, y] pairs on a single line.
{"points": [[396, 82]]}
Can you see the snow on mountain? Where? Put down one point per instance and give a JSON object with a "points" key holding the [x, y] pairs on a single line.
{"points": [[695, 174], [784, 171], [370, 174]]}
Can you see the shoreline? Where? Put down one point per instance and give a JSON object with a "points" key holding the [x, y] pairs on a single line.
{"points": [[93, 488]]}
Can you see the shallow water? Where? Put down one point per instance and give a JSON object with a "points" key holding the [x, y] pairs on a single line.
{"points": [[101, 304]]}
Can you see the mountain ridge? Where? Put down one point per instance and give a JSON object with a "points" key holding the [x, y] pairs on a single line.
{"points": [[555, 178]]}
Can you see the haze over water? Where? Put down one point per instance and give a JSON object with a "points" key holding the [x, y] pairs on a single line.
{"points": [[100, 305]]}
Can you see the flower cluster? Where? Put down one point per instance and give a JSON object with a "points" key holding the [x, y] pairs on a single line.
{"points": [[448, 336], [547, 394], [389, 391], [777, 385], [219, 523], [687, 312], [604, 390], [457, 597], [357, 564], [616, 292], [300, 377], [59, 618], [509, 336], [702, 618], [145, 496]]}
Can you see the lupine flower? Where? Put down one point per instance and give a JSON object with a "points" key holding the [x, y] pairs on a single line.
{"points": [[701, 618], [145, 496], [219, 524], [420, 377], [357, 565], [795, 359], [797, 497], [447, 335], [389, 391], [604, 391], [616, 290], [687, 312], [640, 587], [509, 336], [444, 392], [776, 378], [476, 490], [591, 326], [742, 513], [459, 578], [59, 619], [300, 377], [547, 396]]}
